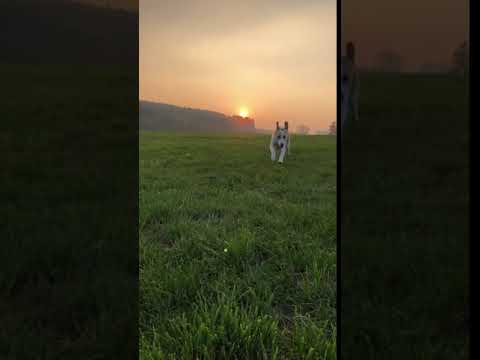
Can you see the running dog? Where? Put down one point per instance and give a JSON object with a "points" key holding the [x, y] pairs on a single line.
{"points": [[280, 141], [349, 85]]}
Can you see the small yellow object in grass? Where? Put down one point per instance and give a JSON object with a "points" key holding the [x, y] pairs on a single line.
{"points": [[225, 250]]}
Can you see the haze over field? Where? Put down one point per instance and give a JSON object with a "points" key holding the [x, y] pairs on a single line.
{"points": [[166, 117], [421, 32], [275, 60]]}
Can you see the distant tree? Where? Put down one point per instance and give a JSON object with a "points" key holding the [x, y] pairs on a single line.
{"points": [[461, 58], [389, 61], [332, 130], [433, 68], [303, 129]]}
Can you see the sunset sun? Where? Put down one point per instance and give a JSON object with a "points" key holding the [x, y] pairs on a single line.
{"points": [[243, 112]]}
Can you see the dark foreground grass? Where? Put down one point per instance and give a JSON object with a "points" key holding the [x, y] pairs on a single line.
{"points": [[237, 254], [68, 220], [404, 221]]}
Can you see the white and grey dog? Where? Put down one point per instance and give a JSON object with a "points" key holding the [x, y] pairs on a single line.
{"points": [[280, 141], [349, 85]]}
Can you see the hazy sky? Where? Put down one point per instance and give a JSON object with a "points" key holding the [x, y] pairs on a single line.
{"points": [[422, 31], [277, 58]]}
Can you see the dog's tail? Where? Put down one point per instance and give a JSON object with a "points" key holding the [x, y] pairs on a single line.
{"points": [[351, 52]]}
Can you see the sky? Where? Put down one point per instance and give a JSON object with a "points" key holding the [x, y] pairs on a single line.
{"points": [[275, 59], [421, 31]]}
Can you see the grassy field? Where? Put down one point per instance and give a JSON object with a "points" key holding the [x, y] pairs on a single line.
{"points": [[405, 220], [68, 214], [237, 254]]}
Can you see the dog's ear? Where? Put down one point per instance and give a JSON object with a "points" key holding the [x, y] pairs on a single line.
{"points": [[286, 125], [350, 51], [278, 126]]}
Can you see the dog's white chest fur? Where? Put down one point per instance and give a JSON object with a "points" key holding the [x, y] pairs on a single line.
{"points": [[280, 142]]}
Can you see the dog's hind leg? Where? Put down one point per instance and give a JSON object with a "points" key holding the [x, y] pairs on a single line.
{"points": [[355, 100], [344, 110]]}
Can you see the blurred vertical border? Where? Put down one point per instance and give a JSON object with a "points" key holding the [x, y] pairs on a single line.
{"points": [[68, 180], [405, 184]]}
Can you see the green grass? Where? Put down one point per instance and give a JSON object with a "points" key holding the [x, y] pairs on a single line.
{"points": [[237, 254], [68, 214], [405, 220]]}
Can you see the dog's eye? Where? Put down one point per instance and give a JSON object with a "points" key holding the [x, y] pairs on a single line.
{"points": [[284, 136]]}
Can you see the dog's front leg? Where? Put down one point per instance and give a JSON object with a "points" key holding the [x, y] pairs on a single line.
{"points": [[355, 112], [282, 154], [344, 109], [272, 152], [355, 99]]}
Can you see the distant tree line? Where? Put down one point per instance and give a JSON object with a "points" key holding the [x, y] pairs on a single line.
{"points": [[302, 129], [332, 130], [389, 61], [392, 61]]}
